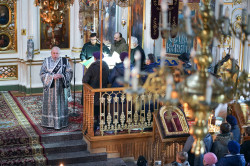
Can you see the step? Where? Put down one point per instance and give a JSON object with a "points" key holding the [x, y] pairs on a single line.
{"points": [[75, 157], [109, 162], [64, 136], [65, 146]]}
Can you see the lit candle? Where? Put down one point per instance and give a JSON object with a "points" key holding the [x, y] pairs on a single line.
{"points": [[164, 10], [169, 81], [226, 22], [163, 57], [187, 15], [134, 79], [138, 61], [209, 90], [192, 55], [127, 69]]}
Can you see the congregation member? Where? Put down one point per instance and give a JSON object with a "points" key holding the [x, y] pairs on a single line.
{"points": [[90, 47], [181, 160], [150, 66], [118, 71], [234, 158], [210, 159], [135, 47], [235, 130], [87, 52], [245, 147], [92, 77], [219, 147], [184, 62], [56, 75], [119, 44], [197, 160]]}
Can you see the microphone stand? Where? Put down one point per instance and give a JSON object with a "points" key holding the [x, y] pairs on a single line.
{"points": [[74, 114]]}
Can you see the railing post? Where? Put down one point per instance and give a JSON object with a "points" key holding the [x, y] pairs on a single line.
{"points": [[91, 114], [85, 106]]}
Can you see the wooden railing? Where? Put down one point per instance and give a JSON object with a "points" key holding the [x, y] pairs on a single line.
{"points": [[126, 125], [118, 113]]}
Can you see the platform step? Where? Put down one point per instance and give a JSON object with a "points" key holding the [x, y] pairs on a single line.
{"points": [[75, 157], [64, 136], [109, 162], [65, 146]]}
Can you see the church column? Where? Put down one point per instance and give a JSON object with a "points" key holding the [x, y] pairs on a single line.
{"points": [[148, 41], [33, 25], [78, 41]]}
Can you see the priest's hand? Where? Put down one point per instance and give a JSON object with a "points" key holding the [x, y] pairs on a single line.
{"points": [[57, 76]]}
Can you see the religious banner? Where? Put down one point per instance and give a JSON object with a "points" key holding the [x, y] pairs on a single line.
{"points": [[180, 44], [155, 17], [173, 12]]}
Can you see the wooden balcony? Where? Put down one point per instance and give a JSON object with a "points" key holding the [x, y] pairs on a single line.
{"points": [[125, 123]]}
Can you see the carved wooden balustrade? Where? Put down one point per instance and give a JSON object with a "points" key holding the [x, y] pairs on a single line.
{"points": [[118, 112]]}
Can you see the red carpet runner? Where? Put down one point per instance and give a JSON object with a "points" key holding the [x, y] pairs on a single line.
{"points": [[31, 107], [19, 143]]}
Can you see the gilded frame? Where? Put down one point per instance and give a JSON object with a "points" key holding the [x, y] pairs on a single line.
{"points": [[9, 10], [9, 29], [9, 44], [181, 117], [67, 25]]}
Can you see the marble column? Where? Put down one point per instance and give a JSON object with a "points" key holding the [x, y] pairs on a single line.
{"points": [[78, 41], [33, 25]]}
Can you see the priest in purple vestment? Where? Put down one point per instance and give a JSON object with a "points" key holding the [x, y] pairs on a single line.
{"points": [[56, 75]]}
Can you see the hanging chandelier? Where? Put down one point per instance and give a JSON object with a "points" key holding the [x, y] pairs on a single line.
{"points": [[52, 13]]}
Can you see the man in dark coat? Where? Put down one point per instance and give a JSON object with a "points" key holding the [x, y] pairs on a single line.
{"points": [[117, 71], [219, 147], [185, 62], [92, 77], [89, 48], [234, 158], [245, 147], [235, 130], [119, 45], [135, 47]]}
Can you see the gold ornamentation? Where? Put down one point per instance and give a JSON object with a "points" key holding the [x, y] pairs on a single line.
{"points": [[166, 115], [237, 2], [8, 36], [9, 72]]}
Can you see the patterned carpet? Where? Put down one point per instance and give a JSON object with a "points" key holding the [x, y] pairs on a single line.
{"points": [[31, 106], [19, 143]]}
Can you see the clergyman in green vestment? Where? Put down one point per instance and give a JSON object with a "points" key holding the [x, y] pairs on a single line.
{"points": [[56, 75]]}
